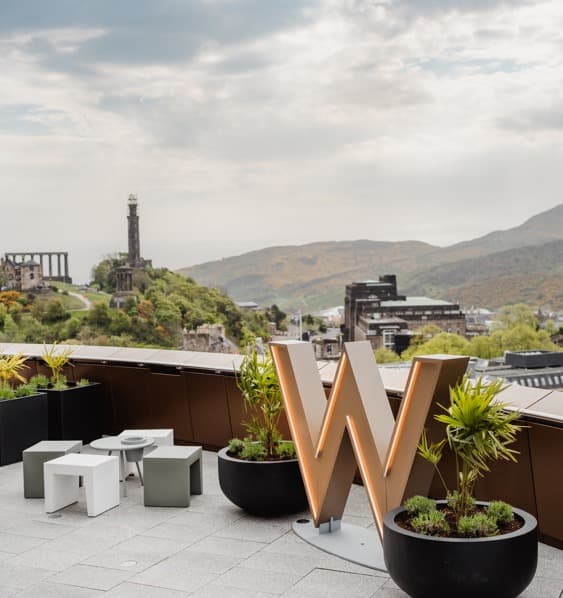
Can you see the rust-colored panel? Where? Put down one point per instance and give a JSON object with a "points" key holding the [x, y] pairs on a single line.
{"points": [[209, 408], [511, 482], [170, 405], [237, 413], [132, 397], [546, 449]]}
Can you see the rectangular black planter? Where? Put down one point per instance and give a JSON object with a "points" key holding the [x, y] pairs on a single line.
{"points": [[75, 413], [23, 422]]}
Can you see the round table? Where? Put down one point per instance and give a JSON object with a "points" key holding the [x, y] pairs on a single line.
{"points": [[131, 452]]}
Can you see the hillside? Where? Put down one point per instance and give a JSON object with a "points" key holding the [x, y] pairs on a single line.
{"points": [[532, 275], [526, 258], [308, 276]]}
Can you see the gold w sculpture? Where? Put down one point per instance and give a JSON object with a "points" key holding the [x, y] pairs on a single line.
{"points": [[356, 427]]}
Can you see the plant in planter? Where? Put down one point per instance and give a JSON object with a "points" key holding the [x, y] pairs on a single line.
{"points": [[260, 473], [459, 546], [23, 410], [75, 408]]}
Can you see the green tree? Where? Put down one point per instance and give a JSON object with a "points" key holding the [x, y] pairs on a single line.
{"points": [[510, 316], [384, 355], [443, 343]]}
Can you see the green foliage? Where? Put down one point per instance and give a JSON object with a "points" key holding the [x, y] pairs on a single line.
{"points": [[253, 451], [455, 501], [286, 449], [500, 512], [56, 359], [59, 383], [431, 523], [11, 367], [442, 343], [39, 381], [417, 505], [383, 355], [258, 384], [478, 430], [83, 382], [512, 316], [24, 390], [478, 525], [236, 445], [6, 393]]}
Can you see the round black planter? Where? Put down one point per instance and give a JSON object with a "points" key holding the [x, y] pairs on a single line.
{"points": [[262, 487], [429, 567]]}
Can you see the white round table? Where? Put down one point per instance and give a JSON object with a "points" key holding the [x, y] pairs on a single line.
{"points": [[131, 452]]}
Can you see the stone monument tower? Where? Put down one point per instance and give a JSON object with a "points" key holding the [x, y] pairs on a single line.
{"points": [[134, 253]]}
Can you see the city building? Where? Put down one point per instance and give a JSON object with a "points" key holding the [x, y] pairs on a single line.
{"points": [[21, 276], [375, 311]]}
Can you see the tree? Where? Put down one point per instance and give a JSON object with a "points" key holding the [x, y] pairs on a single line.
{"points": [[384, 355], [446, 343], [510, 316]]}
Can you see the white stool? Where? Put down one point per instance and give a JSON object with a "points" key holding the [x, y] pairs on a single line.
{"points": [[162, 437], [101, 482]]}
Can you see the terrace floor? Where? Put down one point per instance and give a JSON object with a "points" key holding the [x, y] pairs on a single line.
{"points": [[209, 550]]}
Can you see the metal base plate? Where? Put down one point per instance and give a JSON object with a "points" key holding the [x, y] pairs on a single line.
{"points": [[357, 544]]}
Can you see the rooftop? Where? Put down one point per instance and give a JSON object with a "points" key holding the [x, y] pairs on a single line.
{"points": [[414, 302], [209, 550]]}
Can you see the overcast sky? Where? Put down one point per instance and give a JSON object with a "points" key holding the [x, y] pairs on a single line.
{"points": [[243, 124]]}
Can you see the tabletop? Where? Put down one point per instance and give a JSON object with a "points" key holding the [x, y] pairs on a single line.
{"points": [[115, 443]]}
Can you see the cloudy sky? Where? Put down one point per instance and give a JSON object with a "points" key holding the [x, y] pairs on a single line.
{"points": [[243, 124]]}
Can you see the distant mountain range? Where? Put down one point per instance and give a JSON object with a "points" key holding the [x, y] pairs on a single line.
{"points": [[521, 264]]}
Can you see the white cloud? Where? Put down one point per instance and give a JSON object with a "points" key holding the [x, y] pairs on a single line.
{"points": [[243, 124]]}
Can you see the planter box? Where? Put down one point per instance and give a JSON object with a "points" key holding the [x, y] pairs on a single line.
{"points": [[262, 487], [428, 566], [75, 413], [23, 422]]}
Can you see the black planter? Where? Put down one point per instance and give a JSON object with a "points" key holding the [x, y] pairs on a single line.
{"points": [[23, 422], [75, 413], [262, 487], [429, 567]]}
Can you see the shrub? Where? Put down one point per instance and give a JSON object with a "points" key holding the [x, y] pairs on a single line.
{"points": [[235, 447], [418, 505], [432, 523], [24, 390], [500, 512], [6, 392], [60, 383], [454, 501], [286, 449], [253, 451], [83, 382], [39, 381], [477, 526]]}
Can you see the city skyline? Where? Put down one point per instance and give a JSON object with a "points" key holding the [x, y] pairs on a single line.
{"points": [[245, 124]]}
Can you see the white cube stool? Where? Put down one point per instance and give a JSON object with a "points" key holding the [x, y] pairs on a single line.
{"points": [[162, 437], [101, 482]]}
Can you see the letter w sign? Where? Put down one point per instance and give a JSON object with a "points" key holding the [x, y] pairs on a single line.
{"points": [[356, 427]]}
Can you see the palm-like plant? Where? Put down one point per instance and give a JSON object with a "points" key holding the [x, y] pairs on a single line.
{"points": [[479, 430], [260, 389], [56, 359], [10, 368]]}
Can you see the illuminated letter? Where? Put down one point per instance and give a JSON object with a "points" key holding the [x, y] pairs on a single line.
{"points": [[356, 426]]}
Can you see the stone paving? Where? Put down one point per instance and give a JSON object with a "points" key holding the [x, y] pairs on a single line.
{"points": [[209, 550]]}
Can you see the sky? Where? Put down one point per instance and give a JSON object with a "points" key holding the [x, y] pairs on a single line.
{"points": [[243, 124]]}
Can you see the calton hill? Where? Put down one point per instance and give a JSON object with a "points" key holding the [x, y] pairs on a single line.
{"points": [[164, 305]]}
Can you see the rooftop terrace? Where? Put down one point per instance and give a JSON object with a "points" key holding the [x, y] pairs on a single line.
{"points": [[211, 549]]}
